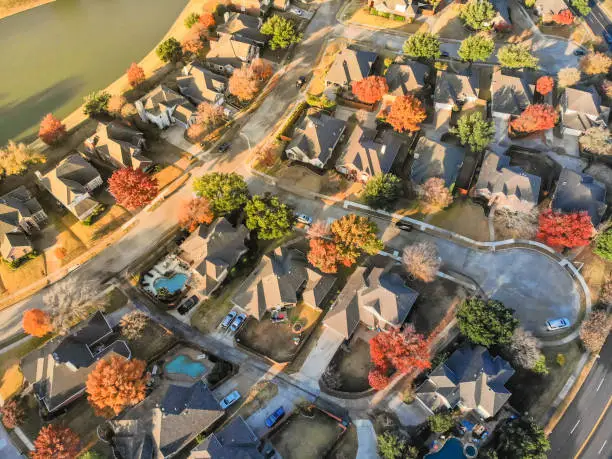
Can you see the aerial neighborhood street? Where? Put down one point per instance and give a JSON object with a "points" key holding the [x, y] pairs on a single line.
{"points": [[305, 229]]}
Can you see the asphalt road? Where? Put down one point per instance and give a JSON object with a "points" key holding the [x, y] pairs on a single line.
{"points": [[586, 423], [598, 21]]}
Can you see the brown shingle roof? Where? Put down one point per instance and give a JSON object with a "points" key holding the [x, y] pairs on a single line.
{"points": [[351, 65]]}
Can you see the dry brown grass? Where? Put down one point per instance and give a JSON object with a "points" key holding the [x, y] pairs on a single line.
{"points": [[363, 17], [317, 83], [11, 382], [448, 24], [28, 273], [258, 396], [9, 7], [166, 176], [112, 219]]}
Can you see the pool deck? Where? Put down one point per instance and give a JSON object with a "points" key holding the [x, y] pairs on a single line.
{"points": [[169, 264]]}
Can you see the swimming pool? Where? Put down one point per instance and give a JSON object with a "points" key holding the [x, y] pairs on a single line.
{"points": [[184, 365], [173, 284], [452, 449]]}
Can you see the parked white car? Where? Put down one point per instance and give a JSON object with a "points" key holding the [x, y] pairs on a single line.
{"points": [[557, 324]]}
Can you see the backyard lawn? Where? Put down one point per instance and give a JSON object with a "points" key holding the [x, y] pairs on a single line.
{"points": [[29, 272], [363, 17], [535, 393], [302, 437], [275, 340], [154, 340], [353, 367]]}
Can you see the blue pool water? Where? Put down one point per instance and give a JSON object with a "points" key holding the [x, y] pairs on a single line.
{"points": [[452, 449], [173, 284], [184, 365]]}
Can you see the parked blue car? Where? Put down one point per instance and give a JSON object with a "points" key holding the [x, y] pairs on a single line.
{"points": [[274, 417]]}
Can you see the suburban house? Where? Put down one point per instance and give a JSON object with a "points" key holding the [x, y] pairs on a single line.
{"points": [[581, 110], [251, 7], [280, 281], [315, 140], [212, 251], [436, 159], [471, 379], [377, 297], [502, 21], [119, 145], [239, 42], [408, 78], [453, 90], [368, 153], [58, 371], [350, 65], [508, 186], [166, 421], [547, 8], [235, 440], [577, 192], [406, 8], [201, 85], [164, 107], [20, 215], [71, 182], [510, 95]]}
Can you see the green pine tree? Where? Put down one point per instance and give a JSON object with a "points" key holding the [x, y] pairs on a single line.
{"points": [[476, 48], [475, 131], [282, 31]]}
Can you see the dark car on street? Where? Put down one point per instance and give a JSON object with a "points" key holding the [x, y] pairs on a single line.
{"points": [[188, 305]]}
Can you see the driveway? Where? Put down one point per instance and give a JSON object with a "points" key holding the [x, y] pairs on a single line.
{"points": [[366, 437], [411, 415], [175, 135], [320, 356]]}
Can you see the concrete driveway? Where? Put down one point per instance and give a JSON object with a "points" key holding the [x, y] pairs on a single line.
{"points": [[411, 415], [320, 356], [366, 437]]}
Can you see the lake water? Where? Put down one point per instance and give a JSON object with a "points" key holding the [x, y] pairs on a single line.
{"points": [[53, 55]]}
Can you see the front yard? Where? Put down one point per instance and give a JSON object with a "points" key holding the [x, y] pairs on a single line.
{"points": [[352, 366], [304, 436], [362, 17], [276, 340], [464, 217]]}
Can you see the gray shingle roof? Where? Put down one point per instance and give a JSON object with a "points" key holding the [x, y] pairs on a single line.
{"points": [[473, 377], [235, 441], [318, 136], [370, 151], [510, 94], [120, 143], [201, 85], [406, 78], [351, 65], [580, 192], [498, 177], [436, 159], [453, 88]]}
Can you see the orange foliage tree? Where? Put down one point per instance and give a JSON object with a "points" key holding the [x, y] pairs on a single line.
{"points": [[195, 212], [115, 384], [60, 253], [402, 351], [132, 188], [371, 89], [354, 235], [244, 83], [207, 20], [56, 442], [406, 113], [36, 322], [545, 84], [537, 117], [13, 413], [51, 130], [570, 230], [135, 75], [564, 17], [262, 68], [324, 255]]}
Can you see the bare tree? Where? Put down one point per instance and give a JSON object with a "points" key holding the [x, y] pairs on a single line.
{"points": [[434, 195], [525, 348], [317, 230], [71, 301], [422, 261], [595, 330], [516, 225], [134, 324], [605, 296]]}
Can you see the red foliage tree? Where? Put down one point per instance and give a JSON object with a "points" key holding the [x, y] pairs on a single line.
{"points": [[377, 379], [51, 130], [406, 113], [36, 322], [135, 75], [545, 84], [207, 20], [324, 255], [564, 17], [538, 117], [371, 89], [262, 68], [132, 188], [115, 384], [56, 442], [13, 413], [403, 351], [195, 212], [565, 230]]}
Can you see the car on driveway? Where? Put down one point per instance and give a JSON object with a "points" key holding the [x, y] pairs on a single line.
{"points": [[187, 305], [238, 321], [557, 324], [275, 417], [303, 218], [229, 399], [228, 319]]}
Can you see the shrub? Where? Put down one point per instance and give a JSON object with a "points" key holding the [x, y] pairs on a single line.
{"points": [[442, 422], [560, 359], [191, 19], [96, 103], [169, 50], [51, 130], [13, 413], [540, 366], [603, 245]]}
